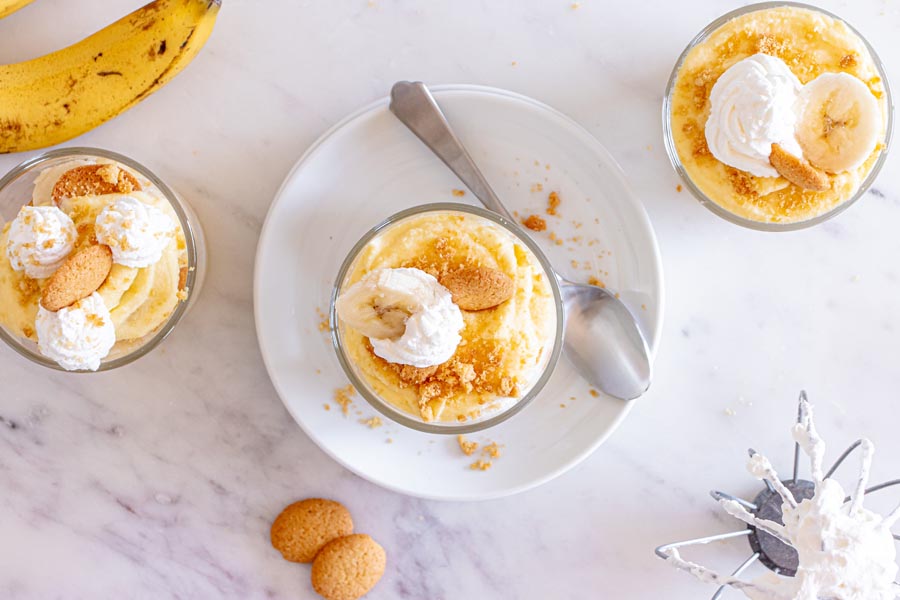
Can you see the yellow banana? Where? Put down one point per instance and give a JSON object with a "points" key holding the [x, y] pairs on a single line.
{"points": [[54, 98], [8, 7]]}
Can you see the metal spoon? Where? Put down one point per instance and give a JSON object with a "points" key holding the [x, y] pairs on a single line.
{"points": [[602, 337]]}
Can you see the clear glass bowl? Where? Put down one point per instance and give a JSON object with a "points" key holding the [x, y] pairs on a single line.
{"points": [[15, 191], [705, 200], [389, 410]]}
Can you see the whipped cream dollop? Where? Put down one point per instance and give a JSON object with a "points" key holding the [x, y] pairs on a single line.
{"points": [[136, 232], [40, 239], [408, 316], [77, 337], [845, 551], [753, 105]]}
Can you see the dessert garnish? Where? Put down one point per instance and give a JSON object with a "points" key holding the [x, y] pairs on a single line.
{"points": [[831, 123], [798, 170], [408, 316], [40, 238], [137, 233], [77, 337], [78, 277], [93, 180], [751, 108], [478, 288], [839, 122]]}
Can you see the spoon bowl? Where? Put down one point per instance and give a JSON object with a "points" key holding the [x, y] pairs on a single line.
{"points": [[602, 336]]}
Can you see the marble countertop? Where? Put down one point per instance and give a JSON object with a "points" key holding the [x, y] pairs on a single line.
{"points": [[160, 480]]}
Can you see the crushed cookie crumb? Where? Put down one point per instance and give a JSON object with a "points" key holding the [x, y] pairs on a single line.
{"points": [[324, 324], [343, 396], [458, 193], [594, 281], [492, 450], [480, 465], [327, 406], [535, 223], [553, 202], [372, 422], [468, 448], [537, 187], [678, 188], [594, 393]]}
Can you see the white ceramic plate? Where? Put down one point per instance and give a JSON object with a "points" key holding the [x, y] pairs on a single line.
{"points": [[370, 166]]}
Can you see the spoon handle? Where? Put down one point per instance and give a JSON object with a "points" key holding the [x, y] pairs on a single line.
{"points": [[414, 105]]}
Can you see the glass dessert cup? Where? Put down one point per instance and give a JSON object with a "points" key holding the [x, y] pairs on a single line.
{"points": [[549, 356], [16, 190], [710, 203]]}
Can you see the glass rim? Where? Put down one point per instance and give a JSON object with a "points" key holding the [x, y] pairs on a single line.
{"points": [[719, 210], [163, 331], [384, 407]]}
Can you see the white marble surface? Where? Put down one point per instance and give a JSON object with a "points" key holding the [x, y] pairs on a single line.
{"points": [[160, 480]]}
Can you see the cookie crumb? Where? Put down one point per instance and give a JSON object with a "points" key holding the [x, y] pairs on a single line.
{"points": [[372, 423], [492, 450], [324, 325], [594, 392], [343, 396], [537, 187], [553, 202], [594, 281], [535, 223], [848, 60], [481, 465], [678, 188], [327, 406], [458, 193], [468, 448]]}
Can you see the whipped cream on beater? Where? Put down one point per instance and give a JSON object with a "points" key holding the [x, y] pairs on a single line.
{"points": [[77, 337], [753, 105], [846, 552], [408, 316], [40, 238], [136, 232]]}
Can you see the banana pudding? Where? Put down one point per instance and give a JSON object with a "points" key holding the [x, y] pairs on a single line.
{"points": [[778, 115], [92, 265], [446, 316]]}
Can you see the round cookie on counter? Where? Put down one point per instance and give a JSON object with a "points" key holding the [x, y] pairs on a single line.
{"points": [[304, 527], [348, 568]]}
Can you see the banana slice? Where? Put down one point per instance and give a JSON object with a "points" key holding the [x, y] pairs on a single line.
{"points": [[840, 122], [117, 283], [379, 304], [160, 302]]}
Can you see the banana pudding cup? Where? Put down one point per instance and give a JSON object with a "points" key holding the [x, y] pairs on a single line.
{"points": [[99, 260], [447, 318], [778, 116]]}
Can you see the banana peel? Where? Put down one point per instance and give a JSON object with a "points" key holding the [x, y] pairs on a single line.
{"points": [[64, 94]]}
